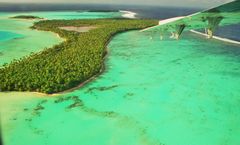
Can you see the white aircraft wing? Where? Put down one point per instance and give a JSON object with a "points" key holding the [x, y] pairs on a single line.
{"points": [[225, 14]]}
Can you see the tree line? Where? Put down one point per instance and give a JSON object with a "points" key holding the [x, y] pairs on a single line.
{"points": [[70, 63]]}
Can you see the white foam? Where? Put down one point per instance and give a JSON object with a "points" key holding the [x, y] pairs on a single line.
{"points": [[216, 37], [128, 14]]}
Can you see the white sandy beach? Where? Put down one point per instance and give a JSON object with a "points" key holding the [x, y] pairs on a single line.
{"points": [[128, 14]]}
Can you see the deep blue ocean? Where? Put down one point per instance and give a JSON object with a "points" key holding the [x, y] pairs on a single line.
{"points": [[155, 12]]}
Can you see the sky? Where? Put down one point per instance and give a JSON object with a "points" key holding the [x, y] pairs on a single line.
{"points": [[181, 3]]}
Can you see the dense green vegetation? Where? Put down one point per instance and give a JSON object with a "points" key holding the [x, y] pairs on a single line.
{"points": [[70, 63], [26, 17]]}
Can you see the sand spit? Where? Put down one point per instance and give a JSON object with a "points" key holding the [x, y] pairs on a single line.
{"points": [[78, 29], [128, 14]]}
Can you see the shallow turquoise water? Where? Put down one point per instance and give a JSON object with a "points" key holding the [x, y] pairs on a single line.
{"points": [[169, 92], [68, 15], [22, 41], [19, 40], [77, 15], [5, 35]]}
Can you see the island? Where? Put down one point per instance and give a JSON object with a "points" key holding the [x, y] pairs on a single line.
{"points": [[96, 10], [67, 65], [26, 17], [105, 11]]}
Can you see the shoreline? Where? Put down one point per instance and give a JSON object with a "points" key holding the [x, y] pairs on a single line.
{"points": [[74, 88], [66, 91], [101, 71]]}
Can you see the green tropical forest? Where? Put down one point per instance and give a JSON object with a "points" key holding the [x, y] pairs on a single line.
{"points": [[66, 65]]}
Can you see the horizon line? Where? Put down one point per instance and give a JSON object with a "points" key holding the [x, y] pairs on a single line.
{"points": [[116, 4]]}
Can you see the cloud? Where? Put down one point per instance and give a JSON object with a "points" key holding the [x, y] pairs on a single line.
{"points": [[185, 3]]}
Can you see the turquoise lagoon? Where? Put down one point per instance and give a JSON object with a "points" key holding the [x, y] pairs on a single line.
{"points": [[152, 92], [5, 35], [19, 40], [22, 41]]}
